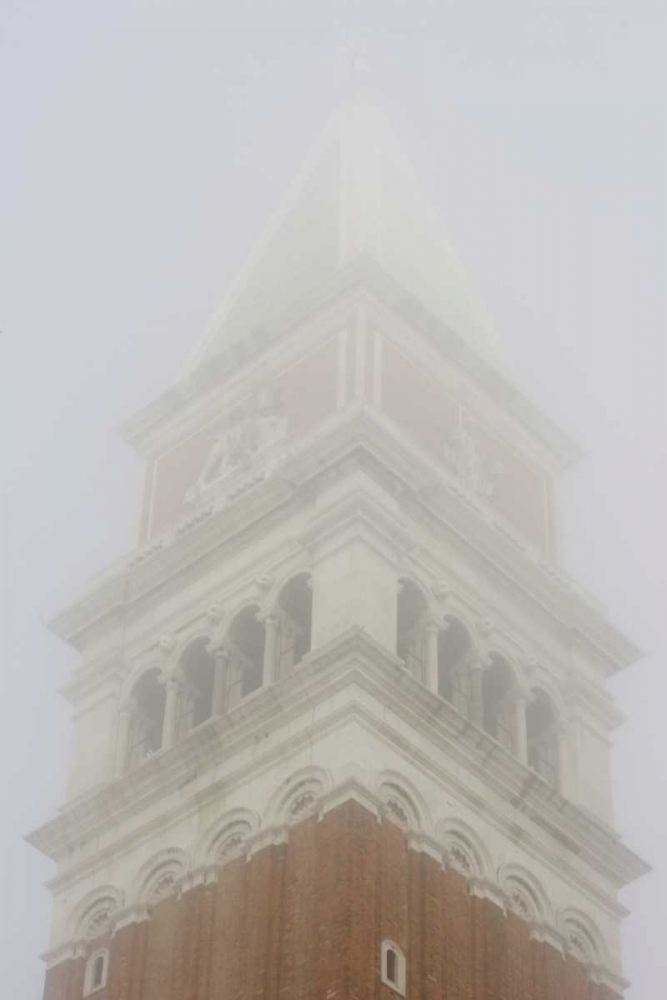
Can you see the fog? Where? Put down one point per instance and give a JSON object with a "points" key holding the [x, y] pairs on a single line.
{"points": [[146, 144]]}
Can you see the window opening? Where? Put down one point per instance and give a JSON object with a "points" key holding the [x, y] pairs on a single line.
{"points": [[296, 606], [542, 738], [410, 611], [148, 703], [453, 669], [496, 694], [246, 635]]}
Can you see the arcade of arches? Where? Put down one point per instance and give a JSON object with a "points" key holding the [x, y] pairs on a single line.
{"points": [[257, 649]]}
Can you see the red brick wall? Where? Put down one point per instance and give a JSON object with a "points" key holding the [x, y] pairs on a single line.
{"points": [[305, 921]]}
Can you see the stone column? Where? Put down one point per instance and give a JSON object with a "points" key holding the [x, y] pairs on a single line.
{"points": [[124, 723], [270, 649], [477, 692], [220, 682], [562, 735], [170, 713], [520, 731], [431, 665]]}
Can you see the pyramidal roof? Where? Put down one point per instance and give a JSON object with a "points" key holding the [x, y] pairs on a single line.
{"points": [[356, 195]]}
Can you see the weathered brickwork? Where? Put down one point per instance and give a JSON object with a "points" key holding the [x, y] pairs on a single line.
{"points": [[305, 920]]}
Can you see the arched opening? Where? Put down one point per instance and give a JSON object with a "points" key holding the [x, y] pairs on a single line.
{"points": [[95, 976], [295, 605], [453, 667], [246, 639], [147, 718], [497, 684], [197, 666], [542, 737], [410, 611], [98, 972], [393, 967]]}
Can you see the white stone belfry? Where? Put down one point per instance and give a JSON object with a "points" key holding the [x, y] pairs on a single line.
{"points": [[345, 582]]}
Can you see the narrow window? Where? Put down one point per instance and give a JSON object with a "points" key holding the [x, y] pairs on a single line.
{"points": [[453, 669], [410, 611], [95, 977], [98, 972], [542, 738], [392, 967], [295, 605]]}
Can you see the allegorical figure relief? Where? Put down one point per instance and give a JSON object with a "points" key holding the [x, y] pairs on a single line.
{"points": [[250, 428], [469, 463]]}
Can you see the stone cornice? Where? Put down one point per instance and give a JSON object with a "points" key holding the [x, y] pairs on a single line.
{"points": [[351, 660], [360, 439]]}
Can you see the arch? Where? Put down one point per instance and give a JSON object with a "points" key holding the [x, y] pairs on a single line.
{"points": [[524, 893], [497, 706], [158, 878], [246, 636], [196, 665], [404, 805], [225, 838], [96, 972], [393, 966], [454, 648], [297, 796], [411, 608], [146, 707], [583, 939], [464, 849], [542, 736], [295, 612], [94, 915]]}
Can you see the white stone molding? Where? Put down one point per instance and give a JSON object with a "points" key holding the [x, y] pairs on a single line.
{"points": [[464, 849], [204, 875], [160, 876], [65, 952], [402, 802], [95, 914], [545, 933], [298, 796], [268, 836], [134, 914], [226, 837], [351, 789], [524, 893], [486, 888], [581, 937]]}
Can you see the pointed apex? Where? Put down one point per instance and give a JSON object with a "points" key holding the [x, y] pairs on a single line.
{"points": [[353, 67], [357, 195]]}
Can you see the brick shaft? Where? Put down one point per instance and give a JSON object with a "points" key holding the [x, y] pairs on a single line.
{"points": [[305, 921]]}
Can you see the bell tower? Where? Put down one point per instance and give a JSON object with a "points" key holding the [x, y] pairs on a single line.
{"points": [[341, 726]]}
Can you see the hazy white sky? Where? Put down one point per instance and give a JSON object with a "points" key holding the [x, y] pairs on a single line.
{"points": [[145, 144]]}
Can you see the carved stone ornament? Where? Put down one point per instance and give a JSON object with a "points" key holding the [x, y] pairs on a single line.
{"points": [[469, 464], [441, 589], [214, 614], [303, 799], [99, 921], [397, 812], [164, 885], [167, 644], [251, 427]]}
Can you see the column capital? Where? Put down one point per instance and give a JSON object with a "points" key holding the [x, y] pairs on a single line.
{"points": [[270, 619]]}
